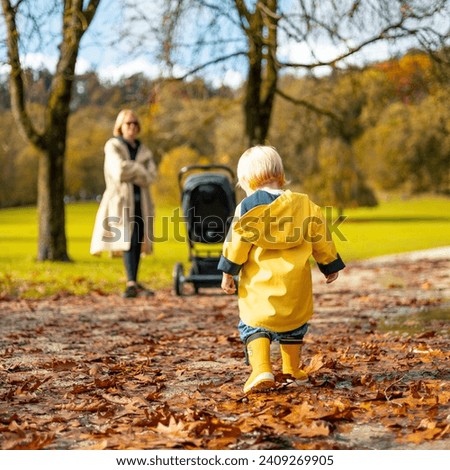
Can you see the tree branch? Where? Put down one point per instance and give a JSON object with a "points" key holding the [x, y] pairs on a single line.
{"points": [[270, 13], [310, 106], [16, 76], [243, 13], [89, 11], [382, 36], [211, 62]]}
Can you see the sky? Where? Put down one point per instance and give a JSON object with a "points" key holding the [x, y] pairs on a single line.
{"points": [[111, 63], [127, 58]]}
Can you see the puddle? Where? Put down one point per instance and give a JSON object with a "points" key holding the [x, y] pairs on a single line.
{"points": [[416, 322]]}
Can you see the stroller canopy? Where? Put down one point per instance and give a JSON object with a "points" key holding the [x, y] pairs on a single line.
{"points": [[208, 203]]}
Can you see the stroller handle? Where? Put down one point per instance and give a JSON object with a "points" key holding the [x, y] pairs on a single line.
{"points": [[192, 168]]}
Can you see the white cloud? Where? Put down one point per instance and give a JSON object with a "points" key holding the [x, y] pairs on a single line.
{"points": [[82, 66], [37, 60], [117, 72], [4, 69], [323, 52], [231, 78], [304, 54]]}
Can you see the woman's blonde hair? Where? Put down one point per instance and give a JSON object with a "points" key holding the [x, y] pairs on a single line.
{"points": [[260, 166], [120, 119]]}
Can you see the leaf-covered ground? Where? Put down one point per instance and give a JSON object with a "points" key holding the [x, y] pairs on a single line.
{"points": [[102, 372]]}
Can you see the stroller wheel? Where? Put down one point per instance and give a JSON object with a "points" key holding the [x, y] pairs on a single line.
{"points": [[178, 278]]}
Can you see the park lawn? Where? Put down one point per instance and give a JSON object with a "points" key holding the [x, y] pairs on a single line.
{"points": [[21, 275], [394, 226]]}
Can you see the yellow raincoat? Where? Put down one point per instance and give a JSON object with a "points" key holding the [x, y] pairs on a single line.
{"points": [[270, 246]]}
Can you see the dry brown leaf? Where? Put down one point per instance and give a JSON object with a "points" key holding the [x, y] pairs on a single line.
{"points": [[101, 445], [314, 429], [315, 364], [35, 441], [427, 423], [301, 413], [419, 436], [175, 429]]}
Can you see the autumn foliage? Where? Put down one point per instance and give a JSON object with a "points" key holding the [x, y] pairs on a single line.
{"points": [[101, 372]]}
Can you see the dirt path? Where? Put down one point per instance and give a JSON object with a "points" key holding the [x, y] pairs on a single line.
{"points": [[103, 372]]}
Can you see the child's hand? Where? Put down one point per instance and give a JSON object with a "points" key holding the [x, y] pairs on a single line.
{"points": [[228, 284], [332, 277]]}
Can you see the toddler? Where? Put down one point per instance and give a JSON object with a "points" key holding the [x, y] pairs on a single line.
{"points": [[269, 245]]}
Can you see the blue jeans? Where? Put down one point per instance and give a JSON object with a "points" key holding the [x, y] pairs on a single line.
{"points": [[246, 331]]}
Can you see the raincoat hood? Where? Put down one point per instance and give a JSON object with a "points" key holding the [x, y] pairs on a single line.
{"points": [[280, 225]]}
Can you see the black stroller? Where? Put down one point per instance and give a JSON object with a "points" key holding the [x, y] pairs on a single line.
{"points": [[208, 202]]}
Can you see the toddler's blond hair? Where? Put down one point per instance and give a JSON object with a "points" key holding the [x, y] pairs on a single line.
{"points": [[260, 166]]}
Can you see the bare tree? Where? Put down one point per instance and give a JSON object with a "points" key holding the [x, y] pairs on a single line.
{"points": [[265, 34], [21, 18]]}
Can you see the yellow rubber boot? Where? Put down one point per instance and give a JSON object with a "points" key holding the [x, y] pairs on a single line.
{"points": [[290, 357], [261, 378]]}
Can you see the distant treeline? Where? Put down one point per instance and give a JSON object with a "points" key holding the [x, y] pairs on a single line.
{"points": [[346, 136]]}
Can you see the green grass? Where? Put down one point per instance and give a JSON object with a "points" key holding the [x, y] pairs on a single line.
{"points": [[393, 227], [21, 275], [396, 226]]}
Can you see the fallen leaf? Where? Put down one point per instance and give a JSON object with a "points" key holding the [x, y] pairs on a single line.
{"points": [[314, 429], [315, 364]]}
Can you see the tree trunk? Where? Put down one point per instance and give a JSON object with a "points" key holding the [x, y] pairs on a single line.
{"points": [[51, 142], [254, 132], [52, 244], [263, 71]]}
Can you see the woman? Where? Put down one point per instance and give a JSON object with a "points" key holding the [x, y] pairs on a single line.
{"points": [[124, 221]]}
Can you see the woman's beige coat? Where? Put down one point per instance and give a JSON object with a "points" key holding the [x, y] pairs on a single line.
{"points": [[114, 221]]}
